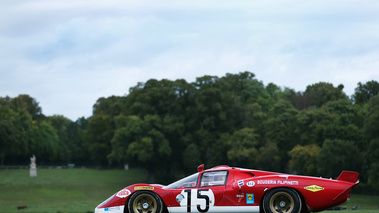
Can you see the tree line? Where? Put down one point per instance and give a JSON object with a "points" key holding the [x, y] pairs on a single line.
{"points": [[170, 127]]}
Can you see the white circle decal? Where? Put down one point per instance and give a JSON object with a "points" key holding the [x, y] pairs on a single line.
{"points": [[250, 183]]}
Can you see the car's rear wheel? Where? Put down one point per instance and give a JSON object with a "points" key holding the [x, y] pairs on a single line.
{"points": [[282, 200], [145, 202]]}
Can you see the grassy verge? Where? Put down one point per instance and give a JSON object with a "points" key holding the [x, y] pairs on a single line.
{"points": [[363, 202], [62, 190]]}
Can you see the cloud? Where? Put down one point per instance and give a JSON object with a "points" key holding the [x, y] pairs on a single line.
{"points": [[67, 54]]}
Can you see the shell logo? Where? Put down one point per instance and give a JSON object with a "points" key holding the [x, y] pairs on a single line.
{"points": [[314, 188]]}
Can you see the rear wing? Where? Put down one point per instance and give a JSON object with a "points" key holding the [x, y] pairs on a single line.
{"points": [[348, 176], [351, 177]]}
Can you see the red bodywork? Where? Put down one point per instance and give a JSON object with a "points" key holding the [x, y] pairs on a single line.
{"points": [[242, 185]]}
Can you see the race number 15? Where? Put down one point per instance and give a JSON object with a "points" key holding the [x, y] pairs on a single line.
{"points": [[203, 199]]}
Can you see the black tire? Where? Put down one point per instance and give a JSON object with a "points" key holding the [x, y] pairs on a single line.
{"points": [[145, 202], [282, 200]]}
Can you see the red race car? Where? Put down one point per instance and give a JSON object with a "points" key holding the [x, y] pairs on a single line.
{"points": [[224, 189]]}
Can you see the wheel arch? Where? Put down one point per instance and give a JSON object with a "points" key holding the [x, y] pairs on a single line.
{"points": [[126, 209], [304, 207]]}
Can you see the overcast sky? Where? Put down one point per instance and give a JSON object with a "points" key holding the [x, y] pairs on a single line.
{"points": [[68, 53]]}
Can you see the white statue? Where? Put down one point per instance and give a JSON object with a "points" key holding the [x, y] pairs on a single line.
{"points": [[33, 166], [33, 162]]}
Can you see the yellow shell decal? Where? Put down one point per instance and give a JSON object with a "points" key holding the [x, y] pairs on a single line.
{"points": [[143, 188], [314, 188]]}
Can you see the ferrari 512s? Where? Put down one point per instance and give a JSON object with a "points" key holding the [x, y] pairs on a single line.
{"points": [[224, 189]]}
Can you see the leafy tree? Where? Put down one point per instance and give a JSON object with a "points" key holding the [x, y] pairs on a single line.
{"points": [[111, 106], [302, 101], [242, 148], [254, 116], [9, 143], [29, 104], [155, 97], [76, 141], [21, 134], [347, 124], [51, 149], [345, 111], [304, 159], [70, 136], [349, 132], [280, 125], [321, 93], [279, 128], [242, 85], [98, 136], [373, 161], [311, 124], [191, 157], [268, 157], [140, 142], [364, 92], [371, 134], [371, 123], [337, 155], [171, 102]]}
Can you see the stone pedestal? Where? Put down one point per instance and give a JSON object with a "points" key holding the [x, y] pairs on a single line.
{"points": [[33, 172]]}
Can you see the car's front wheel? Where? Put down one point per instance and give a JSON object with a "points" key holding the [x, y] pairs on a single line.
{"points": [[145, 202], [282, 200]]}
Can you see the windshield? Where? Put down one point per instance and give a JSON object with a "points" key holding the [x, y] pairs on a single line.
{"points": [[187, 182]]}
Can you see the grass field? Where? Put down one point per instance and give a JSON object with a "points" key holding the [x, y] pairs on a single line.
{"points": [[81, 190], [365, 204], [62, 190]]}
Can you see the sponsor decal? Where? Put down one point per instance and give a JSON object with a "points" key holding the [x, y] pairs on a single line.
{"points": [[314, 188], [240, 183], [249, 198], [278, 182], [250, 183], [240, 196], [123, 193], [144, 188], [115, 208]]}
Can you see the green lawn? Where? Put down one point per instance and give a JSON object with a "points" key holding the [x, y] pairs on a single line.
{"points": [[363, 202], [81, 190], [62, 190]]}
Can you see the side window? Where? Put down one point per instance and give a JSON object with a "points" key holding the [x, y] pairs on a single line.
{"points": [[215, 178]]}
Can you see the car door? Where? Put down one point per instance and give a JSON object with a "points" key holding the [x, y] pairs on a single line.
{"points": [[205, 196]]}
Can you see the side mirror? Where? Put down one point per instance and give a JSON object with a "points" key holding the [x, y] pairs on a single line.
{"points": [[200, 168]]}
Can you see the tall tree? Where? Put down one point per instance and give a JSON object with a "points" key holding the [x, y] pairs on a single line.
{"points": [[141, 142], [29, 104], [364, 92], [371, 125], [304, 159], [279, 128], [98, 136], [321, 93], [311, 124], [337, 155], [371, 134], [242, 148]]}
